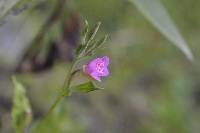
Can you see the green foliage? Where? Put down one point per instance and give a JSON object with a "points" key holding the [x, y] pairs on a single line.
{"points": [[79, 49], [21, 110], [158, 16], [96, 45], [85, 32], [15, 7], [89, 44], [143, 68], [85, 87], [92, 33]]}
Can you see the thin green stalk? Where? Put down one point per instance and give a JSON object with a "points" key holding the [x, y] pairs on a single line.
{"points": [[64, 90], [58, 100]]}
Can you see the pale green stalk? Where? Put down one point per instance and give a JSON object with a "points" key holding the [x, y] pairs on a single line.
{"points": [[64, 90]]}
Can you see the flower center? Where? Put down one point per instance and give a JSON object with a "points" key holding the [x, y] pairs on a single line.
{"points": [[100, 66]]}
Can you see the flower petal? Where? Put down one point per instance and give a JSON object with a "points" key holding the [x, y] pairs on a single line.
{"points": [[105, 72], [95, 76], [92, 64], [105, 59]]}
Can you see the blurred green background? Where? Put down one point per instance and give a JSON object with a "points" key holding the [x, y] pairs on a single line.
{"points": [[152, 87]]}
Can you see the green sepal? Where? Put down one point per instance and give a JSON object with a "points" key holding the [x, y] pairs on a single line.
{"points": [[85, 87]]}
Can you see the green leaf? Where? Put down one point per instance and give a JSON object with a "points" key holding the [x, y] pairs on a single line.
{"points": [[89, 44], [96, 45], [154, 11], [21, 110], [85, 87], [85, 32], [92, 34], [101, 41], [79, 50]]}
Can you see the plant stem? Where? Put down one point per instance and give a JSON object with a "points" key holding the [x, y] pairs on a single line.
{"points": [[64, 90], [58, 99]]}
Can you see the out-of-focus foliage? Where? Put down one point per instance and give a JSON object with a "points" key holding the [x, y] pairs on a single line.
{"points": [[156, 13], [58, 122], [6, 6], [14, 7], [89, 44], [21, 110]]}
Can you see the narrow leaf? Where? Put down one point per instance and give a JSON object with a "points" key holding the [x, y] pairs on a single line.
{"points": [[158, 16], [85, 32], [21, 110], [101, 42], [85, 87], [96, 45], [92, 34], [79, 49]]}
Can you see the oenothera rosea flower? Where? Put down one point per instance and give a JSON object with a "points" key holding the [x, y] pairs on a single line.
{"points": [[97, 68]]}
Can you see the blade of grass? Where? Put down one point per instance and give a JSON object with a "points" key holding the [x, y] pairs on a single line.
{"points": [[154, 11]]}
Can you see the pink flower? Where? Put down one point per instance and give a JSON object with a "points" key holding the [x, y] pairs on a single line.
{"points": [[97, 68]]}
